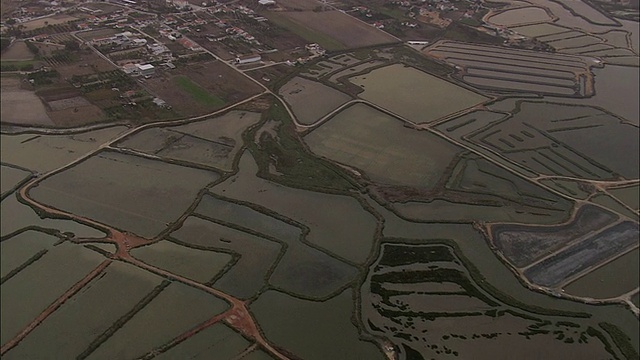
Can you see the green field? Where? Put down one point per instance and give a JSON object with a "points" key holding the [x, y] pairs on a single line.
{"points": [[197, 92]]}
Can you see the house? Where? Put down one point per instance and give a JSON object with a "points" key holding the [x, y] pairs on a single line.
{"points": [[266, 2], [146, 69], [129, 68]]}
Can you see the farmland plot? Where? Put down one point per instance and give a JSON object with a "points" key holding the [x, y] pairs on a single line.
{"points": [[311, 100], [131, 205], [413, 94], [376, 143], [69, 331]]}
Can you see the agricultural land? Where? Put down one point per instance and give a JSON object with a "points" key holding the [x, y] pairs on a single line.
{"points": [[307, 179]]}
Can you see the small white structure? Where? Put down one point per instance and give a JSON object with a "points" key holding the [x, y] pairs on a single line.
{"points": [[146, 69], [266, 2], [248, 59]]}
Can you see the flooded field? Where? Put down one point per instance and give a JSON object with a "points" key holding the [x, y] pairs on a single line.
{"points": [[302, 270], [285, 320], [10, 178], [542, 29], [380, 146], [247, 217], [16, 216], [43, 153], [500, 68], [429, 331], [215, 342], [214, 142], [413, 94], [131, 205], [52, 337], [605, 282], [346, 231], [154, 325], [310, 100], [581, 256], [307, 272], [523, 245], [553, 147], [628, 195], [446, 211], [198, 265], [68, 262], [23, 248], [254, 256], [524, 15]]}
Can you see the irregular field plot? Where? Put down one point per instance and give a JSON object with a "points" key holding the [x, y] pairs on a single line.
{"points": [[332, 29], [628, 195], [215, 342], [10, 177], [133, 204], [19, 250], [429, 324], [310, 100], [543, 137], [524, 15], [449, 211], [378, 144], [515, 85], [621, 156], [175, 310], [618, 277], [42, 153], [347, 230], [249, 218], [97, 34], [17, 51], [213, 142], [198, 93], [16, 216], [302, 270], [285, 320], [20, 106], [198, 265], [539, 29], [256, 255], [68, 262], [413, 94], [71, 329], [579, 257], [307, 272], [522, 245]]}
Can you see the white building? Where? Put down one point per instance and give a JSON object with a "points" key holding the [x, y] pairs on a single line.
{"points": [[146, 69]]}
